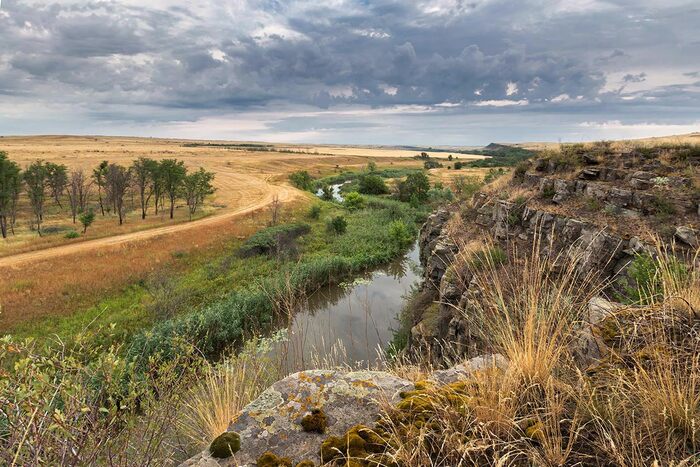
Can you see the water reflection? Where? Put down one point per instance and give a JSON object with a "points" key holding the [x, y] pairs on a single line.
{"points": [[349, 323]]}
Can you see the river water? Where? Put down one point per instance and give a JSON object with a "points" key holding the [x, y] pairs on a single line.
{"points": [[351, 323]]}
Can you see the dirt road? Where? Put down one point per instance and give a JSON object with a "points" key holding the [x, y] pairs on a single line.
{"points": [[284, 194]]}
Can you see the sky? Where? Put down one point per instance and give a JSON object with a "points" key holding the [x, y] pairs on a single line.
{"points": [[428, 73]]}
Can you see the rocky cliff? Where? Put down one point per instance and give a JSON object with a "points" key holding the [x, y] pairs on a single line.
{"points": [[606, 207]]}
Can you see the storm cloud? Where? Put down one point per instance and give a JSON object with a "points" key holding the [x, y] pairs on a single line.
{"points": [[396, 71]]}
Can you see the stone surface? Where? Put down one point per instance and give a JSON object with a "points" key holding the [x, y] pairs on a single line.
{"points": [[272, 422], [464, 369], [687, 235]]}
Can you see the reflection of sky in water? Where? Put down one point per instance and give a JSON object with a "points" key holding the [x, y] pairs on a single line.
{"points": [[361, 315], [336, 192]]}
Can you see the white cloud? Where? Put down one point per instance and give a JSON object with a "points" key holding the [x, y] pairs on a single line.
{"points": [[511, 88], [501, 103]]}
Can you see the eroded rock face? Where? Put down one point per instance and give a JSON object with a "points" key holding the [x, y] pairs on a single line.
{"points": [[273, 421]]}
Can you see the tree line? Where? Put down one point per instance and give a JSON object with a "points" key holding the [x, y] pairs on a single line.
{"points": [[155, 183]]}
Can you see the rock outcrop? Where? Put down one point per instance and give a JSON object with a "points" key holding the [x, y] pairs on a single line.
{"points": [[273, 422]]}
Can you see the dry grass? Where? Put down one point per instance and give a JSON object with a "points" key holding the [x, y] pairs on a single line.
{"points": [[638, 406]]}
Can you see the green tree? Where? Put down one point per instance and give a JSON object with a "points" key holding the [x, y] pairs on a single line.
{"points": [[372, 185], [143, 170], [401, 234], [118, 180], [10, 185], [415, 187], [196, 187], [172, 173], [99, 174], [301, 179], [57, 180], [354, 201], [36, 179], [86, 219], [371, 167]]}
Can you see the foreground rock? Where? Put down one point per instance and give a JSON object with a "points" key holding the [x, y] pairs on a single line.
{"points": [[273, 421]]}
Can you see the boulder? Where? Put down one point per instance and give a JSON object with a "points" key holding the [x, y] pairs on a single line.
{"points": [[272, 422], [464, 369], [687, 235]]}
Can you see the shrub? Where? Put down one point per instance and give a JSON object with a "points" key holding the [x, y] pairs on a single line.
{"points": [[269, 240], [354, 201], [400, 234], [314, 212], [301, 179], [458, 165], [414, 188], [337, 225], [493, 174], [72, 234], [431, 164], [372, 185]]}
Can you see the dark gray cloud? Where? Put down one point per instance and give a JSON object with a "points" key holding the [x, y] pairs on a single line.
{"points": [[127, 61]]}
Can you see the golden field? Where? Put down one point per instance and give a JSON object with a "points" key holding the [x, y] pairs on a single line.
{"points": [[40, 276]]}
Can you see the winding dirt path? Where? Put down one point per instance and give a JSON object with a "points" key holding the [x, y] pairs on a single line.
{"points": [[284, 193]]}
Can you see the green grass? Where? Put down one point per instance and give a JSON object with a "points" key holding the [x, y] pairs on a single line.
{"points": [[217, 302]]}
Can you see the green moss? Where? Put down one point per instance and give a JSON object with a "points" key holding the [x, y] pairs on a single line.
{"points": [[358, 445], [225, 445], [271, 460], [315, 422]]}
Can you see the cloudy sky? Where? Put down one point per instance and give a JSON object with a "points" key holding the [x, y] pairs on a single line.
{"points": [[450, 72]]}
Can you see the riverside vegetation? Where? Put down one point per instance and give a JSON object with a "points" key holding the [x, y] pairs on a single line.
{"points": [[107, 388]]}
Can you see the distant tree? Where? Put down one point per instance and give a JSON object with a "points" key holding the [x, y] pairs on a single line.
{"points": [[99, 174], [158, 190], [78, 192], [275, 207], [449, 158], [144, 171], [10, 185], [172, 174], [301, 179], [36, 179], [371, 167], [117, 180], [458, 165], [87, 218], [431, 164], [196, 187], [57, 181], [414, 188], [372, 185]]}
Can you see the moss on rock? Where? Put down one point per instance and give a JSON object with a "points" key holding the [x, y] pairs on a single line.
{"points": [[270, 459], [315, 422], [225, 445]]}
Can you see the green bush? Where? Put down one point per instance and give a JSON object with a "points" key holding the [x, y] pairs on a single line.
{"points": [[302, 180], [314, 212], [354, 201], [400, 234], [268, 240], [372, 185], [72, 234], [337, 225], [415, 188]]}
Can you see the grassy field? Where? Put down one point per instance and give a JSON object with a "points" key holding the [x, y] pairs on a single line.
{"points": [[54, 276]]}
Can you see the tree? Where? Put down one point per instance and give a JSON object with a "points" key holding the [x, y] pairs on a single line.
{"points": [[87, 218], [372, 185], [371, 167], [301, 179], [78, 192], [117, 183], [10, 185], [449, 158], [172, 174], [36, 179], [196, 187], [337, 225], [415, 187], [143, 172], [57, 180], [99, 174]]}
